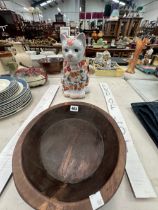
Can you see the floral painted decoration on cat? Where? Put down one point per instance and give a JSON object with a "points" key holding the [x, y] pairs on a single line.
{"points": [[75, 79]]}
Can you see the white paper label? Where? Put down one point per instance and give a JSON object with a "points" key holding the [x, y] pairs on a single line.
{"points": [[96, 200], [7, 152], [74, 108], [138, 178]]}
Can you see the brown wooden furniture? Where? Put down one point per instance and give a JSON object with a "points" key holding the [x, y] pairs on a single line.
{"points": [[122, 27], [57, 25], [4, 47], [111, 28], [155, 46], [155, 31], [134, 26], [62, 157], [56, 28], [38, 30], [154, 60], [44, 47], [91, 52], [59, 17], [124, 24], [13, 21], [52, 65]]}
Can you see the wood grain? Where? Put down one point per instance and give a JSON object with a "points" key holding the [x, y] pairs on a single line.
{"points": [[60, 139]]}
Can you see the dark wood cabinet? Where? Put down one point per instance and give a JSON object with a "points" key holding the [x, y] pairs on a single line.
{"points": [[111, 28], [13, 21], [56, 29], [134, 26], [122, 27]]}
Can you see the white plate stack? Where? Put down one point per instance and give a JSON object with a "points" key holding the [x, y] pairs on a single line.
{"points": [[15, 95]]}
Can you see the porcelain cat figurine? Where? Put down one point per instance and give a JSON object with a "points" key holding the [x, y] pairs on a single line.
{"points": [[75, 68]]}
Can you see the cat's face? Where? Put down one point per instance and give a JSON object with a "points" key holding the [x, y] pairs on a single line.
{"points": [[73, 48]]}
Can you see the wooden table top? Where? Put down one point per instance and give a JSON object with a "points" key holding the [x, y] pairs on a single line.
{"points": [[109, 49]]}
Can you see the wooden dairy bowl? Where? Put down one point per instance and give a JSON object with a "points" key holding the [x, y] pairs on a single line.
{"points": [[62, 157]]}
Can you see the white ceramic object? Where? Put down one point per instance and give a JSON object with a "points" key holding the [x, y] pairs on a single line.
{"points": [[150, 52], [20, 55], [55, 56], [4, 84], [99, 57], [35, 60], [31, 52], [75, 68], [37, 57], [47, 53]]}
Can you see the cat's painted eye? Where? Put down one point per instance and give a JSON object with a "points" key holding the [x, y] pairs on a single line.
{"points": [[76, 50], [66, 50]]}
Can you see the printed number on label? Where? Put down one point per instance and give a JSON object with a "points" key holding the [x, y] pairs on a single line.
{"points": [[74, 108]]}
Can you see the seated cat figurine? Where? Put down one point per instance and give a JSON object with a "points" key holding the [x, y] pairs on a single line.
{"points": [[75, 79]]}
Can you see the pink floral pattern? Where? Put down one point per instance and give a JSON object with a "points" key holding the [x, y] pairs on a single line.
{"points": [[75, 79]]}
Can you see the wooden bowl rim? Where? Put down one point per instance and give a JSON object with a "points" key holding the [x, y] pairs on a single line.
{"points": [[38, 201]]}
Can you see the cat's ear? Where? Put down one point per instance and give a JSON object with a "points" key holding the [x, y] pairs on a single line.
{"points": [[82, 38], [63, 37]]}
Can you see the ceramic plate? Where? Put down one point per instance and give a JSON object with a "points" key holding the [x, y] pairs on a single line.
{"points": [[12, 112], [16, 106], [16, 102], [9, 86], [4, 84], [9, 93], [23, 88]]}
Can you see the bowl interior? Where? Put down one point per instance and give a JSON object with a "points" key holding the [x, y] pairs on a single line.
{"points": [[70, 155]]}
